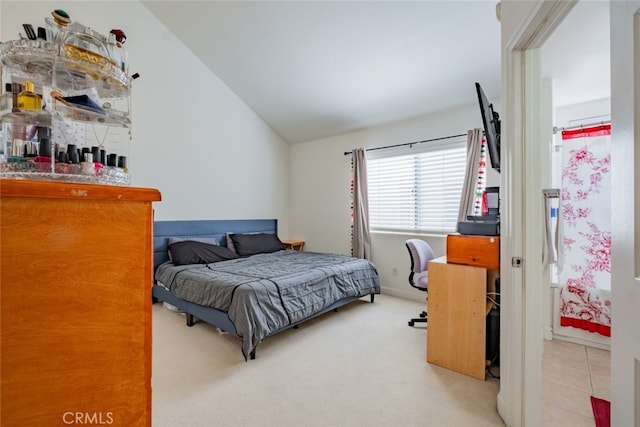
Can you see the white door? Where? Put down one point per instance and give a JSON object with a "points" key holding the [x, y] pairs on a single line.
{"points": [[625, 169]]}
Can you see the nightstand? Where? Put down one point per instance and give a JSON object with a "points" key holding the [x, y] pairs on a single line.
{"points": [[296, 245]]}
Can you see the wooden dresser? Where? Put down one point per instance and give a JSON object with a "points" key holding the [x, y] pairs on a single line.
{"points": [[75, 300]]}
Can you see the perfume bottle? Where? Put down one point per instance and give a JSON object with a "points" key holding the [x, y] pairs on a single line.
{"points": [[7, 100], [16, 88], [117, 38], [28, 100], [56, 25], [88, 168]]}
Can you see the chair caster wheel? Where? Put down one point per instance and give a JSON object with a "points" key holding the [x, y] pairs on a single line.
{"points": [[423, 315], [410, 323]]}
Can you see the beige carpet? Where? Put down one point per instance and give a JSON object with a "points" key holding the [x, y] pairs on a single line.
{"points": [[360, 366]]}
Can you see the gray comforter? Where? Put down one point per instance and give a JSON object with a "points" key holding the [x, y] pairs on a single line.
{"points": [[264, 293]]}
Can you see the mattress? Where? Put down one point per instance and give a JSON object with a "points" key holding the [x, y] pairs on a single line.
{"points": [[265, 293]]}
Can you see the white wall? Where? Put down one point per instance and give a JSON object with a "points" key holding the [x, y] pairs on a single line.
{"points": [[193, 139], [212, 157], [320, 192]]}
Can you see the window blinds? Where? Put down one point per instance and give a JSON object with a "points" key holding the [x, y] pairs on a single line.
{"points": [[417, 188]]}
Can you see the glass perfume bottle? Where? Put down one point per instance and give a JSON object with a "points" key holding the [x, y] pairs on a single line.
{"points": [[28, 100], [88, 168]]}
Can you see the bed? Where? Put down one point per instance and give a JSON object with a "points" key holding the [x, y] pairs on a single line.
{"points": [[237, 276]]}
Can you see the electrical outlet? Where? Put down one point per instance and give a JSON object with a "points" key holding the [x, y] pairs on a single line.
{"points": [[394, 271]]}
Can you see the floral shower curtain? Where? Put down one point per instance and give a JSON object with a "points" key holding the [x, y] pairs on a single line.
{"points": [[585, 251]]}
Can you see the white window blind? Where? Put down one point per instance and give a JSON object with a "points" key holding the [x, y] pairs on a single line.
{"points": [[417, 188]]}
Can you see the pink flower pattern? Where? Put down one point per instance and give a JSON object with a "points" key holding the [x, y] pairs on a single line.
{"points": [[586, 216]]}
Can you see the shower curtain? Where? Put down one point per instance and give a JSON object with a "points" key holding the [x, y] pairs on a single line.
{"points": [[585, 246]]}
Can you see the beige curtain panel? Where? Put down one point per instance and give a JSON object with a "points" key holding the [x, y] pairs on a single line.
{"points": [[361, 242], [474, 145]]}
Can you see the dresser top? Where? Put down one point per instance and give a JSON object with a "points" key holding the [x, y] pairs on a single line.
{"points": [[69, 190]]}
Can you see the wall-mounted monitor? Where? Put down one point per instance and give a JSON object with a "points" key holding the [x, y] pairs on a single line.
{"points": [[491, 122]]}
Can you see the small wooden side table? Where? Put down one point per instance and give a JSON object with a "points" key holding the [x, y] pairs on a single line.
{"points": [[296, 245]]}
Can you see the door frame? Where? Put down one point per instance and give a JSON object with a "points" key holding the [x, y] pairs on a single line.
{"points": [[519, 399], [531, 24]]}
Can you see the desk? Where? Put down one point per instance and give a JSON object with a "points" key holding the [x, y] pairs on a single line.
{"points": [[457, 306]]}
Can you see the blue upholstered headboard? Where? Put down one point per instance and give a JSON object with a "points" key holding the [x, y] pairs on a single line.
{"points": [[217, 228]]}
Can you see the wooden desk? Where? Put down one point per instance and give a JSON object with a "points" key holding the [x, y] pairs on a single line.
{"points": [[457, 306]]}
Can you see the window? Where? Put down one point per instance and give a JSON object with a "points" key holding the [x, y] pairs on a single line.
{"points": [[417, 188]]}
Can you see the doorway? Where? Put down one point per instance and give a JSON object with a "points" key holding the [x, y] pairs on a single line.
{"points": [[576, 65], [531, 25], [576, 69], [531, 137]]}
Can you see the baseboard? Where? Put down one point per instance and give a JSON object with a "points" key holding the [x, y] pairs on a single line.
{"points": [[502, 408], [585, 342], [413, 296]]}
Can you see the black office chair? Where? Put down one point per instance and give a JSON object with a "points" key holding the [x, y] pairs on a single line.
{"points": [[421, 253]]}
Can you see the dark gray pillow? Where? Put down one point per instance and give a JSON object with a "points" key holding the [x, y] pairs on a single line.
{"points": [[209, 240], [258, 243], [193, 252]]}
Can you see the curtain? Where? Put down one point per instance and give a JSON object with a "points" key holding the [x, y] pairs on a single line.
{"points": [[361, 239], [585, 245], [471, 178]]}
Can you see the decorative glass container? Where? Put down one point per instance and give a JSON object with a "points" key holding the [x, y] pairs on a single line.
{"points": [[85, 99]]}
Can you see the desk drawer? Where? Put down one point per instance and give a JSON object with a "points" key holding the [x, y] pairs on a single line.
{"points": [[479, 251]]}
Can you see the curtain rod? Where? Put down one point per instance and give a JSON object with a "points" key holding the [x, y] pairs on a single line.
{"points": [[604, 122], [346, 153]]}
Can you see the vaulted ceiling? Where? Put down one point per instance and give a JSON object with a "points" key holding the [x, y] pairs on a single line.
{"points": [[314, 69]]}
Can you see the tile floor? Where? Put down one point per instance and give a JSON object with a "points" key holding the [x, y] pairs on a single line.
{"points": [[571, 373]]}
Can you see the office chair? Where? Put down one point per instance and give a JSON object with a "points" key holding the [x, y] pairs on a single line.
{"points": [[421, 253]]}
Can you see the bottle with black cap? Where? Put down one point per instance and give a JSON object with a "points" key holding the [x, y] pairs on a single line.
{"points": [[122, 163]]}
